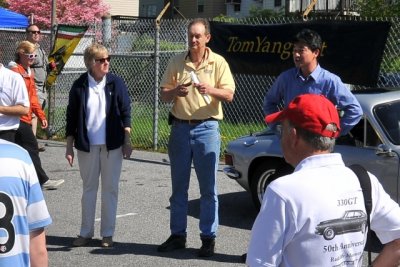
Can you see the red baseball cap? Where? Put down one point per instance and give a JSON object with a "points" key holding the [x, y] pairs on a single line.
{"points": [[310, 112]]}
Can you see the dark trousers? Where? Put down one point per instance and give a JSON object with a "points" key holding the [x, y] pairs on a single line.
{"points": [[25, 138], [8, 135]]}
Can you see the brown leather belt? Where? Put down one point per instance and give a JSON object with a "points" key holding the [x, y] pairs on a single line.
{"points": [[193, 121]]}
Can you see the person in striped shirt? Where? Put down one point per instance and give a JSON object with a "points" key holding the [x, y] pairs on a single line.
{"points": [[23, 210]]}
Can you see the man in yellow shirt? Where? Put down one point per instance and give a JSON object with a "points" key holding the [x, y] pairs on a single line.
{"points": [[195, 137]]}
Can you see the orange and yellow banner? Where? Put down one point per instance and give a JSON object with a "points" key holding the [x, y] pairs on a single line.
{"points": [[67, 38]]}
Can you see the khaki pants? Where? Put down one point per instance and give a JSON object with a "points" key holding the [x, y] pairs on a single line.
{"points": [[105, 164]]}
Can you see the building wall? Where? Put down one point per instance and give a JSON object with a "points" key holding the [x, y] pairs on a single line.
{"points": [[123, 7], [268, 4], [295, 5], [245, 7], [150, 8], [212, 8]]}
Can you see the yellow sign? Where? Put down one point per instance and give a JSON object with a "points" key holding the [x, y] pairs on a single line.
{"points": [[67, 38]]}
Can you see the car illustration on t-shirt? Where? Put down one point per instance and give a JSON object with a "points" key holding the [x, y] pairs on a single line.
{"points": [[351, 221]]}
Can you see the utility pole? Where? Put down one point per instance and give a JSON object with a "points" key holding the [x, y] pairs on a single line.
{"points": [[172, 8], [50, 89], [53, 22]]}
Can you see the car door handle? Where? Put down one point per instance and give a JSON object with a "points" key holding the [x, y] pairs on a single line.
{"points": [[383, 150]]}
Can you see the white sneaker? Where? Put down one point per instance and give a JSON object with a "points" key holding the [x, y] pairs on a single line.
{"points": [[52, 184]]}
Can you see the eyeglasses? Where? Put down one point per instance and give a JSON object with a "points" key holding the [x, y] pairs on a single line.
{"points": [[102, 60], [30, 56], [35, 32]]}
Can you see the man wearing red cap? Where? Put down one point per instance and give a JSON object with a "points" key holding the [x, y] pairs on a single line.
{"points": [[287, 231]]}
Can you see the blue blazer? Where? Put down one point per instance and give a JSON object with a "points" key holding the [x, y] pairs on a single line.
{"points": [[118, 112]]}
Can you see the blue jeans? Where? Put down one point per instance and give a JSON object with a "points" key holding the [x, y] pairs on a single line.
{"points": [[201, 144]]}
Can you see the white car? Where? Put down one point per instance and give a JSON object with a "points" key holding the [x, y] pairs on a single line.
{"points": [[256, 159]]}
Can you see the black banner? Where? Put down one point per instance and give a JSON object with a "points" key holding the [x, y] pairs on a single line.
{"points": [[351, 49]]}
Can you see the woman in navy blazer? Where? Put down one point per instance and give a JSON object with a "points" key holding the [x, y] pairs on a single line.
{"points": [[98, 126]]}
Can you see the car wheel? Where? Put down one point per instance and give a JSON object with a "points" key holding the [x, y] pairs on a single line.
{"points": [[265, 174], [329, 233]]}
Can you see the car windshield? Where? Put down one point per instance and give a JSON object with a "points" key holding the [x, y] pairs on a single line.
{"points": [[388, 116]]}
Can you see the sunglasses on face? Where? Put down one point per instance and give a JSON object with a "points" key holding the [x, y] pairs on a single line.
{"points": [[35, 32], [102, 60], [30, 56]]}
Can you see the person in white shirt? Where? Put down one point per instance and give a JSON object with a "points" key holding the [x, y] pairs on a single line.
{"points": [[98, 125], [14, 102], [287, 231], [23, 209]]}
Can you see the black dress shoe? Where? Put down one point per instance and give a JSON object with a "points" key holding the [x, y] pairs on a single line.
{"points": [[207, 248], [173, 242]]}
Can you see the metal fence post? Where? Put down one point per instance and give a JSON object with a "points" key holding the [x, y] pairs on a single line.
{"points": [[156, 74], [106, 30], [141, 49], [50, 89]]}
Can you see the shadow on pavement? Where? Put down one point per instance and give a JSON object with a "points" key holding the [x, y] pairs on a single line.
{"points": [[235, 210], [119, 248], [151, 250], [63, 243]]}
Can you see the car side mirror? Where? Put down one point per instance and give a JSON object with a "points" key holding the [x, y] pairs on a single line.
{"points": [[384, 150]]}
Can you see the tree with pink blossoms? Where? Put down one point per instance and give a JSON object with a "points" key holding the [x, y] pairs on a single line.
{"points": [[68, 11]]}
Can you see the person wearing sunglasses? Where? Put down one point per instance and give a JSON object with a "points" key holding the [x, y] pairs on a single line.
{"points": [[40, 66], [24, 57], [98, 125]]}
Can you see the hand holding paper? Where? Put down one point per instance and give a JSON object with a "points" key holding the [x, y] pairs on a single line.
{"points": [[195, 79]]}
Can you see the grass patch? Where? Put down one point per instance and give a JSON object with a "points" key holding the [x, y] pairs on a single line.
{"points": [[143, 133]]}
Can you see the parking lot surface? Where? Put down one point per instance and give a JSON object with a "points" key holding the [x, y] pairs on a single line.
{"points": [[142, 216]]}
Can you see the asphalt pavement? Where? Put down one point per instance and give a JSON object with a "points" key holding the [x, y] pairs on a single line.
{"points": [[142, 216]]}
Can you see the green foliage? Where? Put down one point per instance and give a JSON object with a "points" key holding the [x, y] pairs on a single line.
{"points": [[223, 18], [366, 8], [170, 46], [54, 119], [393, 66], [142, 129], [256, 12], [378, 8], [145, 42], [3, 3]]}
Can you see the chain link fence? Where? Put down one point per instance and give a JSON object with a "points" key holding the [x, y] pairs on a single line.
{"points": [[140, 50]]}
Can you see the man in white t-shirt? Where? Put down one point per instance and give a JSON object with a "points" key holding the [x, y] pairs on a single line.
{"points": [[293, 226], [14, 102]]}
